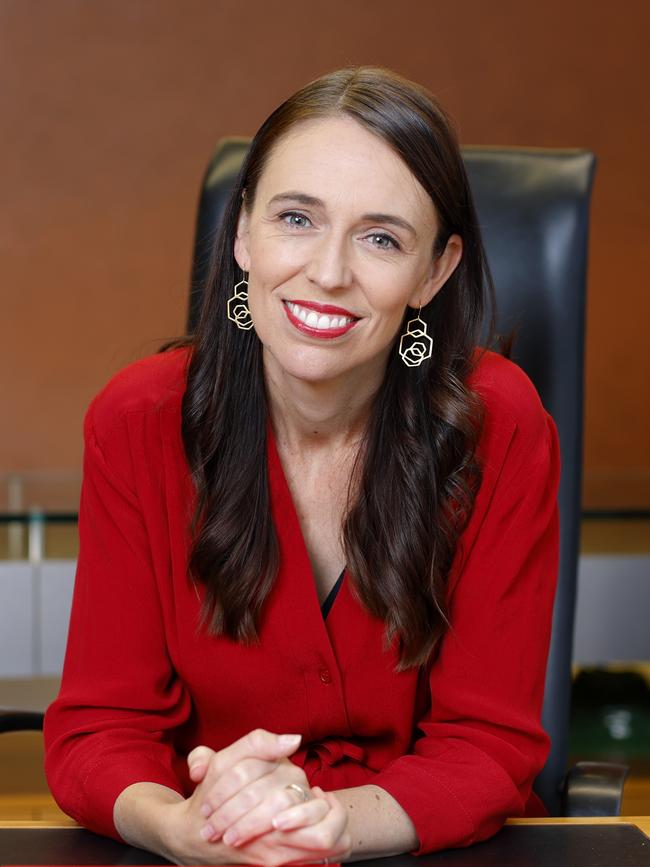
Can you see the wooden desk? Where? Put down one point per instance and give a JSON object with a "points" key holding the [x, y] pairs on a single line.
{"points": [[523, 842], [41, 811], [641, 822]]}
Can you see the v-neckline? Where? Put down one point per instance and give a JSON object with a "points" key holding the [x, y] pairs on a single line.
{"points": [[281, 493], [307, 636]]}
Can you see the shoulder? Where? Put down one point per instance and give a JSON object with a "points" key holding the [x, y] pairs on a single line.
{"points": [[510, 399], [505, 389], [150, 385]]}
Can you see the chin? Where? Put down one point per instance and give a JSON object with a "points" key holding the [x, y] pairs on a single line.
{"points": [[311, 370]]}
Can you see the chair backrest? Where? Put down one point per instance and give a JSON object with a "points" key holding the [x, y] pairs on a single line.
{"points": [[533, 207]]}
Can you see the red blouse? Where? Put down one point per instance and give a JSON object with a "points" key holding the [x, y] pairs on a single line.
{"points": [[457, 745]]}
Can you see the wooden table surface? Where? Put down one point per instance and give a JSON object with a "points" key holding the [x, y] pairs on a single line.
{"points": [[40, 811]]}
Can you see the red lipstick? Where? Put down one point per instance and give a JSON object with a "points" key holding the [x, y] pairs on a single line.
{"points": [[322, 333], [323, 308]]}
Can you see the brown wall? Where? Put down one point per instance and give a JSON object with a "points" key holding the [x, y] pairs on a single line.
{"points": [[111, 108]]}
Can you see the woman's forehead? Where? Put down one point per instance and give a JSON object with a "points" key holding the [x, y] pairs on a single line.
{"points": [[340, 162]]}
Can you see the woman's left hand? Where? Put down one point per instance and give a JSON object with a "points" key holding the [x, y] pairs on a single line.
{"points": [[251, 788]]}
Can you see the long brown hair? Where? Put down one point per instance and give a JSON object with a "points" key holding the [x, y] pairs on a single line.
{"points": [[416, 473]]}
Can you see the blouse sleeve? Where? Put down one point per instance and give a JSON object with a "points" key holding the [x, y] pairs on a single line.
{"points": [[481, 745], [120, 700]]}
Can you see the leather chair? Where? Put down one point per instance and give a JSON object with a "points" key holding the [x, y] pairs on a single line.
{"points": [[533, 206]]}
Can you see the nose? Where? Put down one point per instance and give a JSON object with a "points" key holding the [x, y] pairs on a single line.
{"points": [[328, 266]]}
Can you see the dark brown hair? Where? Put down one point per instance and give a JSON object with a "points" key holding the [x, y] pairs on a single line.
{"points": [[416, 475]]}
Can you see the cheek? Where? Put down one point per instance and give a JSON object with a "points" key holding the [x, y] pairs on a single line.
{"points": [[390, 301], [390, 287], [275, 258]]}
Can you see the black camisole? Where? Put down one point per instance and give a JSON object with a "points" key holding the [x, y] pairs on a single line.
{"points": [[331, 596]]}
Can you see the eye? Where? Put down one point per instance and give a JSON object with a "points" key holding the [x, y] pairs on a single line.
{"points": [[295, 219], [384, 241]]}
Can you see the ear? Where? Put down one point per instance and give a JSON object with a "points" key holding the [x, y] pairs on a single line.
{"points": [[441, 270], [241, 246]]}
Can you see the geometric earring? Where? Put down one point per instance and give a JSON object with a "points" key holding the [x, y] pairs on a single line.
{"points": [[415, 345], [238, 310]]}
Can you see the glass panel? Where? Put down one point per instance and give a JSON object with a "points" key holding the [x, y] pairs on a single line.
{"points": [[38, 515]]}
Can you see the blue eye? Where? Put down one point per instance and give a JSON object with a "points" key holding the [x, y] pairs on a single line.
{"points": [[383, 241], [295, 219]]}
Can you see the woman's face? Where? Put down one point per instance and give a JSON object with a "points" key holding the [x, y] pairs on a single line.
{"points": [[338, 242]]}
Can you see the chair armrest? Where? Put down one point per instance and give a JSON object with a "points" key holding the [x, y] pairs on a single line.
{"points": [[13, 720], [593, 789]]}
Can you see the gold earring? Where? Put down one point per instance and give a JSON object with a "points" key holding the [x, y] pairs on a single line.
{"points": [[238, 309], [415, 345]]}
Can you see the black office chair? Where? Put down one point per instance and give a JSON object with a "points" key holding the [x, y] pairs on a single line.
{"points": [[533, 206]]}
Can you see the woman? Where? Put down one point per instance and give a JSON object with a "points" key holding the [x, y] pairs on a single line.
{"points": [[332, 437]]}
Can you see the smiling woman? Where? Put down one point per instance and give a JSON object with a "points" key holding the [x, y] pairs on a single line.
{"points": [[319, 536]]}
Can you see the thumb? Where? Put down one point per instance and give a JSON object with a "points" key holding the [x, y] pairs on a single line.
{"points": [[198, 761], [287, 744]]}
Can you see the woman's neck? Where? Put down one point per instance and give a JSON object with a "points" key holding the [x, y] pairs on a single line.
{"points": [[313, 416]]}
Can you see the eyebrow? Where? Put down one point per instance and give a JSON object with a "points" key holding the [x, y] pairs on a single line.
{"points": [[314, 202]]}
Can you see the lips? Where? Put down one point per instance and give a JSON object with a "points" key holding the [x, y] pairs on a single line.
{"points": [[322, 308], [319, 320]]}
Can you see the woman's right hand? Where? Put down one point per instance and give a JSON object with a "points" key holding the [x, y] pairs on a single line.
{"points": [[310, 831]]}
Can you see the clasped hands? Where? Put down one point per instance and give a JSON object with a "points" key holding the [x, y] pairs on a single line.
{"points": [[251, 797]]}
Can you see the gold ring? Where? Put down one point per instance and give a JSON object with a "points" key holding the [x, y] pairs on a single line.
{"points": [[304, 794]]}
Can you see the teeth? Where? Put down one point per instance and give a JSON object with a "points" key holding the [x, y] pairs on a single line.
{"points": [[322, 322]]}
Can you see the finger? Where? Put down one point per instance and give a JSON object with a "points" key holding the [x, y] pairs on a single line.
{"points": [[283, 843], [328, 836], [197, 761], [249, 813], [259, 744], [230, 783], [300, 815], [260, 820]]}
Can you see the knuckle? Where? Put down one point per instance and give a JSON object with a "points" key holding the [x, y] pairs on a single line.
{"points": [[239, 775], [297, 775], [222, 820], [207, 799], [213, 771], [258, 737], [344, 847], [249, 798], [326, 838], [282, 799], [216, 820]]}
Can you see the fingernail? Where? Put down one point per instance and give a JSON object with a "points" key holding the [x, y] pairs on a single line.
{"points": [[231, 838], [206, 809], [207, 831], [288, 740]]}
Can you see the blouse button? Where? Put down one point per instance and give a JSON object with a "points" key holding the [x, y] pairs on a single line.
{"points": [[325, 675]]}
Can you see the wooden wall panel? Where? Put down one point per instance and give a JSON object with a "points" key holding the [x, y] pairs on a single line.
{"points": [[110, 109]]}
